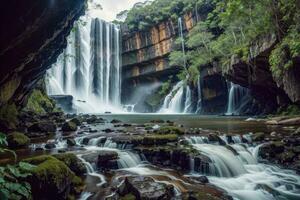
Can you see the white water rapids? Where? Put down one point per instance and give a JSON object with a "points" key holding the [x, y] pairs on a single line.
{"points": [[243, 177]]}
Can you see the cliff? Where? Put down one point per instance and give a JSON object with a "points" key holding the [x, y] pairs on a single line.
{"points": [[33, 35], [146, 52], [145, 62], [255, 74]]}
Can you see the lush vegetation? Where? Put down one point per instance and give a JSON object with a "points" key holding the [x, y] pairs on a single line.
{"points": [[229, 28], [145, 15], [13, 183]]}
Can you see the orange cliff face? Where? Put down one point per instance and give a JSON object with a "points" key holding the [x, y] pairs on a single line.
{"points": [[147, 51]]}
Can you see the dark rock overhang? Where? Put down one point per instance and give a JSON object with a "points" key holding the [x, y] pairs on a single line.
{"points": [[32, 36]]}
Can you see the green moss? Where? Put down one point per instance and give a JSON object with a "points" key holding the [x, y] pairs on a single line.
{"points": [[157, 139], [69, 126], [51, 176], [72, 162], [9, 115], [170, 130], [291, 110], [39, 103], [50, 170], [17, 140], [128, 197]]}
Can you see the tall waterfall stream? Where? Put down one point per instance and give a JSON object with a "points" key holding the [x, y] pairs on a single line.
{"points": [[89, 68]]}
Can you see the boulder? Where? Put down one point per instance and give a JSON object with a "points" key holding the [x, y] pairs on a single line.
{"points": [[73, 162], [43, 127], [50, 179], [69, 127], [270, 150], [71, 142], [76, 121], [102, 159], [201, 164], [17, 140], [115, 121], [201, 179], [94, 120], [143, 187], [50, 145]]}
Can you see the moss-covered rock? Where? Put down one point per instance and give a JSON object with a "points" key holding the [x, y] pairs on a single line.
{"points": [[69, 126], [17, 140], [39, 103], [76, 121], [170, 130], [50, 179], [72, 162], [158, 139]]}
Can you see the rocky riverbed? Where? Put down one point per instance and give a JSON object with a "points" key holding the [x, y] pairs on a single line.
{"points": [[102, 157]]}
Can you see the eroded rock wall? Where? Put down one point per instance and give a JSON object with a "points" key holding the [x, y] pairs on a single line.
{"points": [[272, 92], [33, 35], [147, 52]]}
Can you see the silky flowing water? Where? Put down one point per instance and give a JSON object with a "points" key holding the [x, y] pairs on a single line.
{"points": [[237, 169]]}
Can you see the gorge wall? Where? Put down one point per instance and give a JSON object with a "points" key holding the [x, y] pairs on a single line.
{"points": [[272, 92], [145, 62]]}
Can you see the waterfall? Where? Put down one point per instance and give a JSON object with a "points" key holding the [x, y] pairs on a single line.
{"points": [[180, 26], [175, 102], [235, 169], [199, 90], [188, 100], [89, 68], [235, 99]]}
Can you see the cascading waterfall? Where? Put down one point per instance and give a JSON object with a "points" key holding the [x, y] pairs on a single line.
{"points": [[199, 90], [188, 100], [236, 170], [235, 98], [89, 68], [175, 102]]}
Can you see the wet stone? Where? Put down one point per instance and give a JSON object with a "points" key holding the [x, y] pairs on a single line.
{"points": [[146, 188]]}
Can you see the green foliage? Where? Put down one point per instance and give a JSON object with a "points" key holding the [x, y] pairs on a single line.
{"points": [[291, 110], [177, 58], [155, 99], [145, 15], [12, 177], [165, 88], [282, 56]]}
